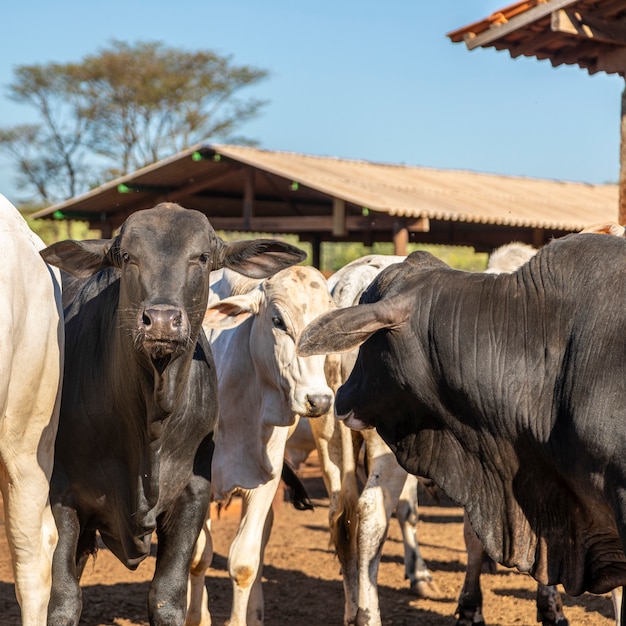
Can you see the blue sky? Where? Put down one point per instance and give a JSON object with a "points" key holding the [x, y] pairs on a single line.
{"points": [[357, 79]]}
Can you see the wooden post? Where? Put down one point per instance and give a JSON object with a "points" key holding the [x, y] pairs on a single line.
{"points": [[400, 238], [248, 198], [316, 252], [339, 218], [622, 163], [105, 227], [537, 237]]}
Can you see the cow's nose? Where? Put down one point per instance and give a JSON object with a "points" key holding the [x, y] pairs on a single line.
{"points": [[318, 403], [162, 321]]}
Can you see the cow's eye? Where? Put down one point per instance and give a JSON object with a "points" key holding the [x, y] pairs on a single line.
{"points": [[278, 322], [125, 256], [204, 258]]}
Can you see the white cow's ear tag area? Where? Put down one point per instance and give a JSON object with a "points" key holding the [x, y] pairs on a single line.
{"points": [[230, 312]]}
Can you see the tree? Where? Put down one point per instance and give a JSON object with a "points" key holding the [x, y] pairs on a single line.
{"points": [[121, 109]]}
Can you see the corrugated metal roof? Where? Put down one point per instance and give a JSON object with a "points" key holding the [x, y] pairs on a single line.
{"points": [[395, 189], [451, 195]]}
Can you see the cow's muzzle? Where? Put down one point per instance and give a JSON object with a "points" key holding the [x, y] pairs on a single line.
{"points": [[318, 403], [352, 421], [162, 330]]}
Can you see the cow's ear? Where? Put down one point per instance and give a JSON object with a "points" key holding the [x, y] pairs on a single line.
{"points": [[80, 258], [232, 311], [344, 329], [258, 258]]}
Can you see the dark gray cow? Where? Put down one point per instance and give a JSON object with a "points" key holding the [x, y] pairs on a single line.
{"points": [[506, 258], [508, 391], [138, 408]]}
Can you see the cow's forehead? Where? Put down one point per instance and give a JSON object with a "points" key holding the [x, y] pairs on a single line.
{"points": [[297, 277], [168, 221], [299, 285]]}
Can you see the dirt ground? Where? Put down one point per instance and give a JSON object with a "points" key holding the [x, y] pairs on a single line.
{"points": [[302, 582]]}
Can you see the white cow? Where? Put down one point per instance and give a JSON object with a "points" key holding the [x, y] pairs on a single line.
{"points": [[359, 521], [31, 353], [263, 386]]}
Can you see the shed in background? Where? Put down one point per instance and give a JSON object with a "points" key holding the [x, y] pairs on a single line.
{"points": [[330, 199]]}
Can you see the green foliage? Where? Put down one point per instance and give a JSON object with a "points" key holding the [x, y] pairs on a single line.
{"points": [[336, 255], [121, 109], [52, 231]]}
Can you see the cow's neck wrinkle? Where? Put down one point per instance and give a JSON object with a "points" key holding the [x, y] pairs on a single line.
{"points": [[167, 388], [148, 490]]}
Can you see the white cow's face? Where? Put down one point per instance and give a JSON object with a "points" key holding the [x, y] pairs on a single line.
{"points": [[292, 299], [281, 307]]}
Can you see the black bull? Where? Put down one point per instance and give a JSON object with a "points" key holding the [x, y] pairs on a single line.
{"points": [[138, 408], [509, 392]]}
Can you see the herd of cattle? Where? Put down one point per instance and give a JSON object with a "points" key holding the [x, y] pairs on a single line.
{"points": [[148, 374]]}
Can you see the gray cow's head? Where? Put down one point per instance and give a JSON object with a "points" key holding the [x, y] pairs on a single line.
{"points": [[164, 256]]}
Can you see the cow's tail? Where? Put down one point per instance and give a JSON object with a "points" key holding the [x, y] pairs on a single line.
{"points": [[298, 494], [344, 525]]}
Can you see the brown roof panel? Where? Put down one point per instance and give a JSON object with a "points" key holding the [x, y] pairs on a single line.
{"points": [[441, 194]]}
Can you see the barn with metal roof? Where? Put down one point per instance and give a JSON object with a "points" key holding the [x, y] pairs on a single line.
{"points": [[330, 199]]}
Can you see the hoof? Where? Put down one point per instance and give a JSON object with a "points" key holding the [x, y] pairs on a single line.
{"points": [[469, 616], [469, 621], [426, 589]]}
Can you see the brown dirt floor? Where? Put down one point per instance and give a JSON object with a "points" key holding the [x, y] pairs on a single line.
{"points": [[302, 582]]}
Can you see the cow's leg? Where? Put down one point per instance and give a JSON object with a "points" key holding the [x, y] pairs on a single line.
{"points": [[197, 596], [338, 467], [550, 606], [376, 503], [66, 597], [415, 570], [31, 532], [619, 604], [470, 607], [29, 421], [245, 557], [617, 596], [177, 532], [256, 603]]}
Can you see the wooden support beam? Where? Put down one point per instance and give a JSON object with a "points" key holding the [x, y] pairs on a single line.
{"points": [[316, 252], [537, 238], [339, 217], [400, 238], [588, 27], [248, 198], [321, 223], [488, 36], [194, 186]]}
